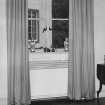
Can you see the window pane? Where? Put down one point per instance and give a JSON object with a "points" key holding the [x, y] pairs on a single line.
{"points": [[35, 29], [29, 22], [35, 13], [29, 36], [60, 8], [60, 31], [29, 13], [34, 26], [29, 28], [34, 36]]}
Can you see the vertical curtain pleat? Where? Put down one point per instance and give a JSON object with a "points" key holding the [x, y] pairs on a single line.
{"points": [[81, 75], [18, 61]]}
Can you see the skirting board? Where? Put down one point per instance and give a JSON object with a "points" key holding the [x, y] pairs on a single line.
{"points": [[102, 94], [3, 101], [50, 96]]}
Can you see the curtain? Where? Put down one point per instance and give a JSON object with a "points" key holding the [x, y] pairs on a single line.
{"points": [[81, 75], [18, 63]]}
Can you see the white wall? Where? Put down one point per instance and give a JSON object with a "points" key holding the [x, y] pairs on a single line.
{"points": [[99, 32], [3, 53], [35, 4], [44, 7], [48, 83]]}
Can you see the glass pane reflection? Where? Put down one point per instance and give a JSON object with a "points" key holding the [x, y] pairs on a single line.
{"points": [[60, 31], [60, 8]]}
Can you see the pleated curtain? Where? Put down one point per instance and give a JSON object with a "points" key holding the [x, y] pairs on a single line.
{"points": [[81, 73], [18, 58]]}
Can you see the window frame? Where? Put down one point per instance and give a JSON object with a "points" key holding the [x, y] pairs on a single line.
{"points": [[37, 19]]}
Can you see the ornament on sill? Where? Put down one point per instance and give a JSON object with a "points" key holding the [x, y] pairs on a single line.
{"points": [[44, 29], [50, 29], [104, 59], [32, 45], [66, 44]]}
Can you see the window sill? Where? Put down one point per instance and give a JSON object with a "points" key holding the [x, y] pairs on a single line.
{"points": [[36, 56]]}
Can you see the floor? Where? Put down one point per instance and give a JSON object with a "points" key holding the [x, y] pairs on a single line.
{"points": [[66, 101]]}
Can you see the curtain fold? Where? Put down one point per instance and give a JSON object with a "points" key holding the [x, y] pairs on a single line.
{"points": [[18, 58], [81, 75]]}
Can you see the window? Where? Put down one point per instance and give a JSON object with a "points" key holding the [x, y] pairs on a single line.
{"points": [[33, 25], [51, 28], [60, 22]]}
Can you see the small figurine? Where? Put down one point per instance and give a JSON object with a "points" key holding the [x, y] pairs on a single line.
{"points": [[46, 49], [32, 45], [104, 59], [66, 44]]}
